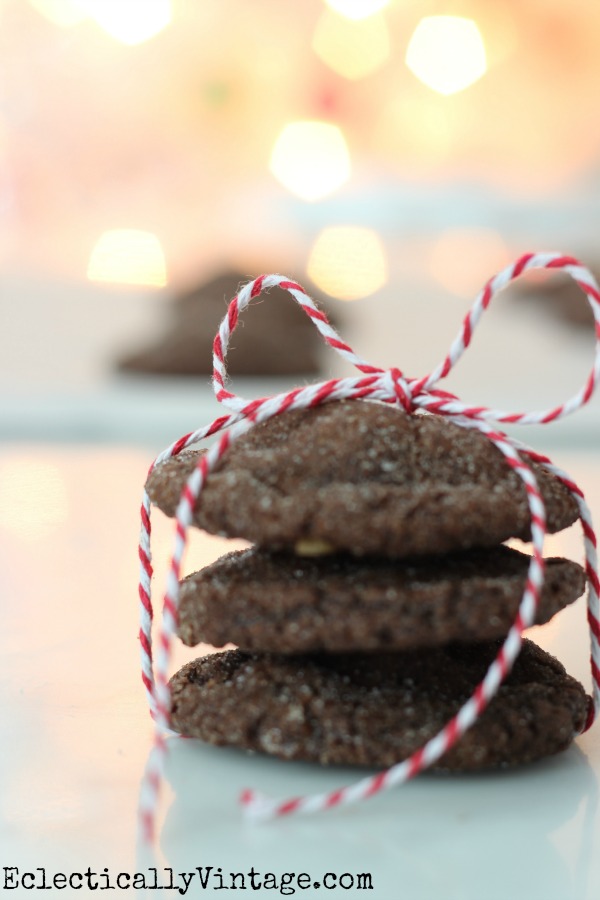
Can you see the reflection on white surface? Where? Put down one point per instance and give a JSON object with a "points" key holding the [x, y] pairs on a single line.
{"points": [[442, 836], [33, 497]]}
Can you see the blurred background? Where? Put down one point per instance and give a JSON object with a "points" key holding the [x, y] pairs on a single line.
{"points": [[389, 154]]}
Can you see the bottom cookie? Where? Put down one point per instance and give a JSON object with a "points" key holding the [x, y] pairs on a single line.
{"points": [[376, 710]]}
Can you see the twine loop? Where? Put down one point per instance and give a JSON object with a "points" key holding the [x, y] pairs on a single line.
{"points": [[391, 386]]}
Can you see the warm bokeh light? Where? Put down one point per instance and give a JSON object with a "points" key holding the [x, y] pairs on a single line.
{"points": [[129, 21], [352, 49], [311, 159], [64, 13], [357, 9], [348, 262], [33, 498], [417, 128], [128, 256], [462, 259], [447, 53]]}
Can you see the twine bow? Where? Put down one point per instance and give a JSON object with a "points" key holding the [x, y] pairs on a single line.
{"points": [[390, 386]]}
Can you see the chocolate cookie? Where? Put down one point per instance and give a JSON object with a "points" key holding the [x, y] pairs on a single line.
{"points": [[286, 604], [376, 711], [559, 295], [275, 338], [366, 478]]}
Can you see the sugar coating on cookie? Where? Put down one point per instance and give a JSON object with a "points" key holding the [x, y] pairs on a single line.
{"points": [[376, 710], [280, 603], [365, 478]]}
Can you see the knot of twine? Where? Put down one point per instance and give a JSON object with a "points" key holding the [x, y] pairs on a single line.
{"points": [[412, 394], [403, 390]]}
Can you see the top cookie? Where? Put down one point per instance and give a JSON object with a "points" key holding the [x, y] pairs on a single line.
{"points": [[365, 478]]}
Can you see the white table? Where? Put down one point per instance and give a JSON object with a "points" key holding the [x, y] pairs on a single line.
{"points": [[75, 734]]}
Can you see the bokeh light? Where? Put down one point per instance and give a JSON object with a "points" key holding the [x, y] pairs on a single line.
{"points": [[129, 21], [33, 498], [357, 9], [348, 262], [350, 48], [128, 256], [64, 13], [418, 129], [311, 159], [447, 53], [462, 259]]}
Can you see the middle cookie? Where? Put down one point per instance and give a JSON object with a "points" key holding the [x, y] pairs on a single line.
{"points": [[287, 604]]}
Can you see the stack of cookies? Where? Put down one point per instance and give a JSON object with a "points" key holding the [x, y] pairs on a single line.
{"points": [[376, 594]]}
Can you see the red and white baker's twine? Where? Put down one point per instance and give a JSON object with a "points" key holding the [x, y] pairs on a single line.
{"points": [[390, 386]]}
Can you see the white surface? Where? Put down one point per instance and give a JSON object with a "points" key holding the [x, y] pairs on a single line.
{"points": [[74, 732]]}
